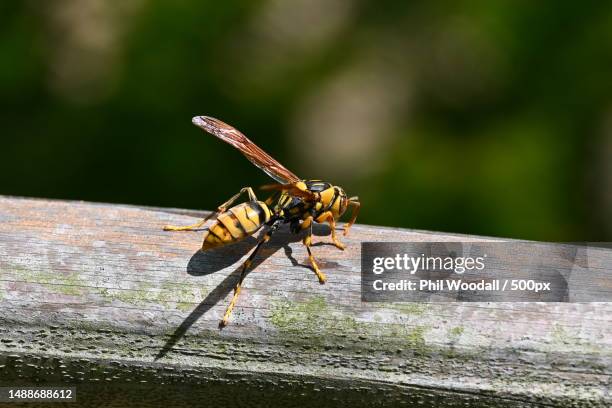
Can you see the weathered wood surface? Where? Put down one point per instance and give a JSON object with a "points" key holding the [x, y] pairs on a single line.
{"points": [[99, 296]]}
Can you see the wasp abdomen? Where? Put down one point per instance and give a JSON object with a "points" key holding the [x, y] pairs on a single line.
{"points": [[236, 224]]}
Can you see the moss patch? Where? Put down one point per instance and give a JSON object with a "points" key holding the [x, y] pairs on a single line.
{"points": [[416, 309], [55, 281], [415, 337], [320, 323], [170, 295], [456, 331], [315, 320], [560, 336], [292, 316]]}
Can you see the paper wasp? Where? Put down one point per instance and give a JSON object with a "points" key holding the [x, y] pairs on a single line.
{"points": [[296, 202]]}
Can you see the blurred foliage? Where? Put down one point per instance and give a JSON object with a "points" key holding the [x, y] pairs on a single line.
{"points": [[479, 117]]}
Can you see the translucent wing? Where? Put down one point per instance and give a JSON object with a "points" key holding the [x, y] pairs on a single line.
{"points": [[249, 149]]}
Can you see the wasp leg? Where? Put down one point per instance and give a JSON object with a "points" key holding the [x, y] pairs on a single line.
{"points": [[328, 217], [245, 266], [332, 226], [353, 202], [220, 209], [307, 241]]}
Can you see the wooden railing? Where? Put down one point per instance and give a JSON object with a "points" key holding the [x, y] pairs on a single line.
{"points": [[99, 297]]}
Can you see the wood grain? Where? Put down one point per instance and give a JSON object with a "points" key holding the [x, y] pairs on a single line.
{"points": [[99, 296]]}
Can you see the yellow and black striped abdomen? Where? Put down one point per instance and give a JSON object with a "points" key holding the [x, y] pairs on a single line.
{"points": [[236, 223]]}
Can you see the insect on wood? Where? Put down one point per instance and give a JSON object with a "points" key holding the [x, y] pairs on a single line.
{"points": [[295, 201]]}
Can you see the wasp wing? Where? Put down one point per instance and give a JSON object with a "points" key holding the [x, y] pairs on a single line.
{"points": [[291, 189], [250, 150]]}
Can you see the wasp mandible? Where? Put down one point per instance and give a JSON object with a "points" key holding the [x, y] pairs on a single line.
{"points": [[296, 201]]}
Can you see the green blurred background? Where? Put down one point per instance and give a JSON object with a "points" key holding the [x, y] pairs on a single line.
{"points": [[479, 117]]}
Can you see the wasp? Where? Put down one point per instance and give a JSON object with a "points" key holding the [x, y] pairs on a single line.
{"points": [[294, 201]]}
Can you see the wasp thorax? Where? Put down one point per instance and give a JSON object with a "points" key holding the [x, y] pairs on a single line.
{"points": [[333, 199], [341, 203]]}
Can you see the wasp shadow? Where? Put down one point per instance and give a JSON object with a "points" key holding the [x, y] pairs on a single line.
{"points": [[206, 262], [213, 260]]}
